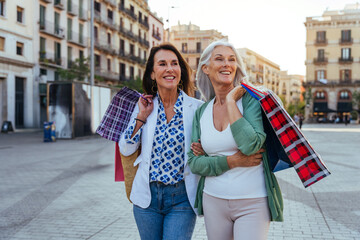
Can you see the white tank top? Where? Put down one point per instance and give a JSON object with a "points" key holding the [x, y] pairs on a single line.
{"points": [[236, 183]]}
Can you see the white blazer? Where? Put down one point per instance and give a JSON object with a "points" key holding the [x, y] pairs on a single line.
{"points": [[140, 193]]}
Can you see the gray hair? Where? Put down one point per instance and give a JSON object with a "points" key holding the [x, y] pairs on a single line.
{"points": [[203, 82]]}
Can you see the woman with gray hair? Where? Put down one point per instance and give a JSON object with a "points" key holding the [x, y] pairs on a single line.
{"points": [[237, 193]]}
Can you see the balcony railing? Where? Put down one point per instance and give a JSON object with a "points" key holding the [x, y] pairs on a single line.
{"points": [[191, 51], [131, 57], [72, 8], [156, 36], [345, 60], [47, 1], [143, 42], [51, 29], [333, 83], [106, 47], [345, 41], [75, 38], [128, 33], [145, 24], [50, 59], [321, 42], [102, 18], [104, 73], [59, 4], [320, 60], [131, 14]]}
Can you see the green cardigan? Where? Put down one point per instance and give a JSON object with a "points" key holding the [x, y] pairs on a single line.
{"points": [[249, 135]]}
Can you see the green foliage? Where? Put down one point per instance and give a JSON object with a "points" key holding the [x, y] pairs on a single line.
{"points": [[133, 84], [354, 115], [78, 70], [356, 99], [282, 98], [294, 108]]}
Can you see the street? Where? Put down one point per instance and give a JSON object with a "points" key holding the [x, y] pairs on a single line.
{"points": [[66, 190]]}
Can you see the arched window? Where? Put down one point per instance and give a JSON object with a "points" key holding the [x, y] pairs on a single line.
{"points": [[344, 95], [320, 95]]}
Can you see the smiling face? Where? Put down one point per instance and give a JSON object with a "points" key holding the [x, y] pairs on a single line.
{"points": [[222, 66], [166, 70]]}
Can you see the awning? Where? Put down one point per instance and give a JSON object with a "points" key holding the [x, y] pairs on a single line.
{"points": [[322, 107], [344, 106]]}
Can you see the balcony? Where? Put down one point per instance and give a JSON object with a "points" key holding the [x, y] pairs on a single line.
{"points": [[131, 57], [51, 29], [72, 9], [143, 42], [47, 1], [103, 19], [143, 23], [346, 41], [50, 59], [75, 38], [111, 2], [83, 14], [127, 33], [60, 4], [345, 60], [107, 75], [131, 14], [321, 42], [191, 51], [105, 47], [320, 60], [156, 36], [336, 83]]}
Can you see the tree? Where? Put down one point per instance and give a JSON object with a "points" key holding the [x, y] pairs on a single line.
{"points": [[356, 99], [78, 70], [133, 84]]}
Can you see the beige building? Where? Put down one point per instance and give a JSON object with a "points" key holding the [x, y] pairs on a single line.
{"points": [[17, 59], [156, 30], [121, 32], [191, 41], [261, 71], [332, 62], [290, 87]]}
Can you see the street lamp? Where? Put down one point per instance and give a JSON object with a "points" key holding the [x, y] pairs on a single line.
{"points": [[168, 21]]}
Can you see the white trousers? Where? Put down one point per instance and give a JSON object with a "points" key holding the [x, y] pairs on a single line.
{"points": [[238, 219]]}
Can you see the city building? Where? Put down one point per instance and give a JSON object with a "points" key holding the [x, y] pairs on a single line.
{"points": [[17, 59], [121, 33], [332, 63], [261, 71], [191, 41], [156, 30], [290, 87]]}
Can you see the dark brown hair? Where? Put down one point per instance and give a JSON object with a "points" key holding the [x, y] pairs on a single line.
{"points": [[147, 84]]}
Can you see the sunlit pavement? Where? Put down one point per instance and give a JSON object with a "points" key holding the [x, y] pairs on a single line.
{"points": [[66, 190]]}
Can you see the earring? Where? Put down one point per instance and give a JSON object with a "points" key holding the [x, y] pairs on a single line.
{"points": [[154, 86]]}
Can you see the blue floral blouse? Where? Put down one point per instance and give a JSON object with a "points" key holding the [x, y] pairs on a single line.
{"points": [[168, 152]]}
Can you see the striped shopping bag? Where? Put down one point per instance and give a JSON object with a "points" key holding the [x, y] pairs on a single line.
{"points": [[286, 145]]}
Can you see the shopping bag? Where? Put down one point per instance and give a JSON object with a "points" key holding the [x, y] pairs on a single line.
{"points": [[114, 123], [286, 145]]}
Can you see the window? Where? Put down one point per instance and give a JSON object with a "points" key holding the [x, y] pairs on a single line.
{"points": [[57, 47], [344, 95], [2, 8], [96, 33], [19, 48], [184, 47], [321, 54], [57, 23], [198, 47], [20, 14], [140, 16], [197, 62], [132, 50], [69, 52], [81, 33], [320, 95], [139, 52], [345, 53], [122, 69], [69, 28], [109, 64], [132, 73], [110, 14], [42, 17], [345, 36], [2, 43], [43, 71], [109, 38], [81, 54], [321, 37], [345, 75], [132, 8], [97, 6], [97, 61], [42, 47], [122, 45], [145, 55], [320, 74]]}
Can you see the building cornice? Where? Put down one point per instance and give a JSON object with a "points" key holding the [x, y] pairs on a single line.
{"points": [[16, 34], [16, 62]]}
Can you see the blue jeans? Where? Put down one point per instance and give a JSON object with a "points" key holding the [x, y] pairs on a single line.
{"points": [[169, 216]]}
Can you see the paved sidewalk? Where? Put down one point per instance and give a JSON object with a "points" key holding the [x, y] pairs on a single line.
{"points": [[66, 190]]}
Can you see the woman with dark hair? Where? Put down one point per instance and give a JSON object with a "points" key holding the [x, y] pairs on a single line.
{"points": [[237, 192], [163, 191]]}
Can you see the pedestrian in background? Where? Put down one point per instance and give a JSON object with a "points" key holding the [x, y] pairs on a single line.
{"points": [[237, 192], [163, 191], [296, 119], [301, 119]]}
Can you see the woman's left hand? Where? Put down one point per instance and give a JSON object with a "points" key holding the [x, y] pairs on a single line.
{"points": [[235, 94], [197, 148]]}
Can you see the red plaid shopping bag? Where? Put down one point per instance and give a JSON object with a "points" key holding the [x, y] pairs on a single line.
{"points": [[298, 151]]}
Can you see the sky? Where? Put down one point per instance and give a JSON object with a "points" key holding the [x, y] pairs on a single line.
{"points": [[272, 28]]}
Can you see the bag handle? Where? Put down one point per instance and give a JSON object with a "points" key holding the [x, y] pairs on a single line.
{"points": [[255, 93]]}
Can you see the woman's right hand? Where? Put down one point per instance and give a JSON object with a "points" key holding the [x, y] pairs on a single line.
{"points": [[145, 107], [241, 160]]}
